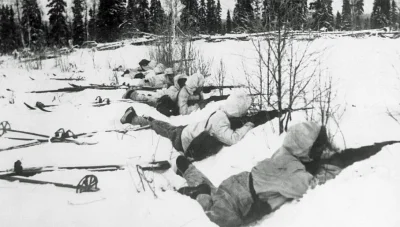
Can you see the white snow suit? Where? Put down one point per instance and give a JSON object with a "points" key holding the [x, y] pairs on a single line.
{"points": [[218, 124], [193, 82], [245, 197]]}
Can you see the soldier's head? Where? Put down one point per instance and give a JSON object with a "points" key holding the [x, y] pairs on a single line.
{"points": [[169, 73]]}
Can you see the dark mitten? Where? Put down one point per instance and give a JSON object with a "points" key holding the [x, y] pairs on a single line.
{"points": [[139, 76], [263, 117], [193, 192], [207, 89], [273, 114], [202, 104], [182, 164], [237, 122], [260, 118]]}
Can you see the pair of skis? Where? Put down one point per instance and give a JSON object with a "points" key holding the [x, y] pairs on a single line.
{"points": [[88, 183], [40, 106], [60, 136], [99, 102], [78, 88]]}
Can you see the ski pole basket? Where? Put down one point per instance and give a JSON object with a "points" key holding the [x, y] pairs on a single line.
{"points": [[87, 184]]}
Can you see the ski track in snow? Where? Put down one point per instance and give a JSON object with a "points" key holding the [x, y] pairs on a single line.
{"points": [[366, 74]]}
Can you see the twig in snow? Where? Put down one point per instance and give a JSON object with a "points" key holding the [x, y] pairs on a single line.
{"points": [[85, 203], [392, 116], [143, 176], [340, 130]]}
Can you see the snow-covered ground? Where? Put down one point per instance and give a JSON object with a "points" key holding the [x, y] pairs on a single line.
{"points": [[367, 81]]}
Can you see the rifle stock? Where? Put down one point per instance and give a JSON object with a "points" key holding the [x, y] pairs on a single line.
{"points": [[261, 117], [208, 89], [182, 60], [294, 110]]}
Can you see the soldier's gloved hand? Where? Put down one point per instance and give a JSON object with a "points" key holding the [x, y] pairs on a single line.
{"points": [[202, 104], [273, 114], [206, 90], [126, 72], [139, 76], [260, 118]]}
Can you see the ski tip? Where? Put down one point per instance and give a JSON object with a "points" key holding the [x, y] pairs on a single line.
{"points": [[30, 107]]}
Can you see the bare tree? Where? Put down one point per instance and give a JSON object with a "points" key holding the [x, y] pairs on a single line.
{"points": [[175, 49], [286, 66]]}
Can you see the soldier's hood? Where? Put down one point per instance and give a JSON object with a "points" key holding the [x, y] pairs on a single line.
{"points": [[300, 138], [176, 78], [159, 68], [237, 104], [194, 81]]}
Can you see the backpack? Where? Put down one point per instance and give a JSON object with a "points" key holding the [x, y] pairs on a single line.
{"points": [[167, 106], [204, 145]]}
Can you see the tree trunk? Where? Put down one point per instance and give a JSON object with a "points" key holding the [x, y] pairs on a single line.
{"points": [[21, 32]]}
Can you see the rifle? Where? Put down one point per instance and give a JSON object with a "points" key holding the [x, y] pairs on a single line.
{"points": [[146, 88], [343, 159], [182, 60], [208, 89], [261, 117]]}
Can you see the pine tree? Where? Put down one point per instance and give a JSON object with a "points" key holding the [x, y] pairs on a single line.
{"points": [[78, 28], [267, 15], [92, 25], [57, 22], [367, 23], [346, 15], [14, 41], [394, 14], [228, 22], [338, 24], [189, 16], [380, 16], [249, 13], [211, 17], [157, 17], [111, 14], [3, 29], [46, 33], [359, 10], [323, 16], [152, 16], [218, 20], [132, 11], [8, 30], [241, 19], [32, 24], [202, 16], [142, 17], [237, 14], [298, 13]]}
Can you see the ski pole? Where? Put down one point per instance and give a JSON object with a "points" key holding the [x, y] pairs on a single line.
{"points": [[86, 184], [6, 127]]}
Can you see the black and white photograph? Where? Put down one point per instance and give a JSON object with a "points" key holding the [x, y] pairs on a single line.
{"points": [[199, 113]]}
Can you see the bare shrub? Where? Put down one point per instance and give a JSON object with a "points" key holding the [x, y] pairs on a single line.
{"points": [[286, 66], [181, 55], [219, 78], [31, 60]]}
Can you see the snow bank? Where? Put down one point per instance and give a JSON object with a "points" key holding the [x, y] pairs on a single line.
{"points": [[367, 83]]}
